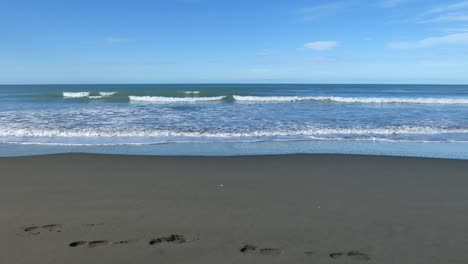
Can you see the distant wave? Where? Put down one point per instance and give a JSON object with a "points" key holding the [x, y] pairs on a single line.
{"points": [[107, 93], [271, 98], [75, 94], [338, 99], [279, 99], [87, 94], [163, 99]]}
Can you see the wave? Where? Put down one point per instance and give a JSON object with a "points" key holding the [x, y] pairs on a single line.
{"points": [[149, 143], [279, 99], [107, 93], [75, 94], [365, 100], [310, 132], [270, 98], [163, 99]]}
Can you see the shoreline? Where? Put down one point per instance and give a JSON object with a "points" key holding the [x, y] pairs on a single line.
{"points": [[291, 155], [92, 208], [400, 149]]}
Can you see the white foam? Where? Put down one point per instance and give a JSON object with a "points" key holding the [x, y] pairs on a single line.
{"points": [[270, 98], [95, 97], [338, 99], [162, 99], [191, 92], [311, 132], [395, 100], [107, 93], [75, 94]]}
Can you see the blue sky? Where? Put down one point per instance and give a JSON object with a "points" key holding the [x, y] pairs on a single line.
{"points": [[205, 41]]}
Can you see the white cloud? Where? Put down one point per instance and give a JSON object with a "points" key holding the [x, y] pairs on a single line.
{"points": [[451, 39], [321, 45], [116, 40]]}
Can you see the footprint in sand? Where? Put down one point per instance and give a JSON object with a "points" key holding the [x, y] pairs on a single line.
{"points": [[77, 243], [354, 254], [97, 243], [248, 248], [124, 242], [173, 239], [36, 230], [91, 244], [263, 251]]}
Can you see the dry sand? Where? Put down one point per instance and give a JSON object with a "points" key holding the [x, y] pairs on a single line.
{"points": [[82, 208]]}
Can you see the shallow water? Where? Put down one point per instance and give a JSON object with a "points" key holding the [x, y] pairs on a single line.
{"points": [[105, 116]]}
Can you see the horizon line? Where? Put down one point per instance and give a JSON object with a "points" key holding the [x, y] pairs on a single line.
{"points": [[234, 83]]}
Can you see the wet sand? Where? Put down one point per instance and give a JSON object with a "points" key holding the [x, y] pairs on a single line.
{"points": [[83, 208]]}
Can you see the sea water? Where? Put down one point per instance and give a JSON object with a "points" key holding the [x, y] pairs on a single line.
{"points": [[235, 119]]}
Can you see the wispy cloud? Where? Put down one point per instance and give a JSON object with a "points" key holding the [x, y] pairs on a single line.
{"points": [[453, 12], [321, 45], [450, 17], [448, 8], [395, 3], [315, 12], [116, 40], [451, 39]]}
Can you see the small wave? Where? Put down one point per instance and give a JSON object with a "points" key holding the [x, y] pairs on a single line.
{"points": [[365, 100], [95, 97], [75, 94], [270, 98], [191, 92], [352, 131], [107, 93], [162, 99]]}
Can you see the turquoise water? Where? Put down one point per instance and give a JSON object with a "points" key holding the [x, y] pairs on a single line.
{"points": [[235, 119]]}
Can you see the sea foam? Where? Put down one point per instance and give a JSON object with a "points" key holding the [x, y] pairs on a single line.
{"points": [[354, 131], [107, 93], [363, 100], [162, 99], [75, 94]]}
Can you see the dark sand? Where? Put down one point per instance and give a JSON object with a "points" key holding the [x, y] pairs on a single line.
{"points": [[80, 208]]}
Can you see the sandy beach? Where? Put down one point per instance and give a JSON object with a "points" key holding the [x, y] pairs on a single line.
{"points": [[82, 208]]}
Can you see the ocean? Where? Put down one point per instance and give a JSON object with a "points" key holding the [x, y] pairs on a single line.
{"points": [[235, 119]]}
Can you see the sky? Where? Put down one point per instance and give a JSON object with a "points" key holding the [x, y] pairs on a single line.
{"points": [[235, 41]]}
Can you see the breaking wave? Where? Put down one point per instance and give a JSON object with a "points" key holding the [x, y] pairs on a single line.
{"points": [[367, 132], [107, 93], [364, 100], [87, 94], [75, 94], [163, 99]]}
